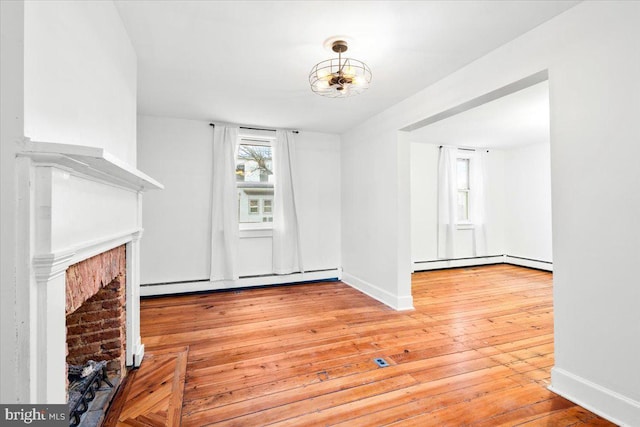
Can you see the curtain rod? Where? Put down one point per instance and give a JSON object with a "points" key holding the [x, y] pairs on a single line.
{"points": [[463, 149], [249, 128]]}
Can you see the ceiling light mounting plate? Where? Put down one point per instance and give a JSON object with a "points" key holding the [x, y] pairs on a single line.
{"points": [[339, 46], [329, 43]]}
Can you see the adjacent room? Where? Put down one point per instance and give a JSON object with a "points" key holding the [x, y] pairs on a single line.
{"points": [[498, 161], [302, 213]]}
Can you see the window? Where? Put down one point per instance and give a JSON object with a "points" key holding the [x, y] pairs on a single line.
{"points": [[254, 206], [462, 172], [266, 206], [254, 180]]}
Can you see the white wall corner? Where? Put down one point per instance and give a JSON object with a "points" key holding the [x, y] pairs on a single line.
{"points": [[595, 398], [404, 303], [396, 302]]}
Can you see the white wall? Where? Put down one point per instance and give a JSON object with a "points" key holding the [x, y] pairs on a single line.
{"points": [[318, 156], [177, 221], [372, 191], [595, 93], [424, 202], [527, 214], [11, 132], [591, 55], [80, 76], [176, 244], [496, 206], [69, 76]]}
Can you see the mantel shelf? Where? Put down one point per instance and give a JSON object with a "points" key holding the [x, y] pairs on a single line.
{"points": [[92, 161]]}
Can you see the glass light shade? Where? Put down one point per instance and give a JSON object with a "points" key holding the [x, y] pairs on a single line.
{"points": [[359, 81], [349, 71], [324, 73]]}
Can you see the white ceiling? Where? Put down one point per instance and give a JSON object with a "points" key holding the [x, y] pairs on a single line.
{"points": [[248, 62], [518, 119]]}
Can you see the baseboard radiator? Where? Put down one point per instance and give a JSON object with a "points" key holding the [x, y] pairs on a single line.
{"points": [[191, 286], [484, 260]]}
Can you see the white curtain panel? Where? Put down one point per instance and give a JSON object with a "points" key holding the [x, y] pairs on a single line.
{"points": [[224, 210], [447, 197], [287, 253], [477, 202]]}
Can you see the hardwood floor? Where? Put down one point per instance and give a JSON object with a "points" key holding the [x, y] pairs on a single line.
{"points": [[477, 350]]}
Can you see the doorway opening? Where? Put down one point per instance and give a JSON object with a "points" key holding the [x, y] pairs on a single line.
{"points": [[505, 136]]}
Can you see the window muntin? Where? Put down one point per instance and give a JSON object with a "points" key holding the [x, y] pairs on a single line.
{"points": [[254, 181], [462, 175]]}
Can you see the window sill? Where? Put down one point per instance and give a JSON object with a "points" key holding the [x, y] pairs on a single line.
{"points": [[256, 226], [249, 231], [465, 226]]}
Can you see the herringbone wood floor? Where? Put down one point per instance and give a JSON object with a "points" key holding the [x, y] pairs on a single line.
{"points": [[152, 395], [477, 350]]}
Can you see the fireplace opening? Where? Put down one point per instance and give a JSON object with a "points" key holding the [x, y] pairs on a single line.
{"points": [[86, 383], [96, 328]]}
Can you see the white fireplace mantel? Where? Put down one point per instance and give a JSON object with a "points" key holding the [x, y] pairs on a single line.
{"points": [[92, 161], [74, 202]]}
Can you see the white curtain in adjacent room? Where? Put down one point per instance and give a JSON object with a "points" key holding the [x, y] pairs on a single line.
{"points": [[287, 253], [477, 202], [447, 198], [224, 211]]}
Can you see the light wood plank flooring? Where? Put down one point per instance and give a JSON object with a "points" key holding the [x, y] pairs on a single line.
{"points": [[477, 350]]}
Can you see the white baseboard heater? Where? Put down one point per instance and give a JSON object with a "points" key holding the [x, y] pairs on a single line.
{"points": [[169, 288], [484, 260]]}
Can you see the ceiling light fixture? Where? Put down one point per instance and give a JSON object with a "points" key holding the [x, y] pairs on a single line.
{"points": [[339, 78]]}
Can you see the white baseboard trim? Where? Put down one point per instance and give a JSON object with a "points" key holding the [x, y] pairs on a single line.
{"points": [[608, 404], [523, 262], [453, 263], [138, 356], [398, 303], [243, 282]]}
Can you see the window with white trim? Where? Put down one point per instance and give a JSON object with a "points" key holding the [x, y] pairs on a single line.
{"points": [[254, 181], [254, 206], [267, 205]]}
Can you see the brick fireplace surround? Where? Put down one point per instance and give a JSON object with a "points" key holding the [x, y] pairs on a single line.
{"points": [[96, 311]]}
